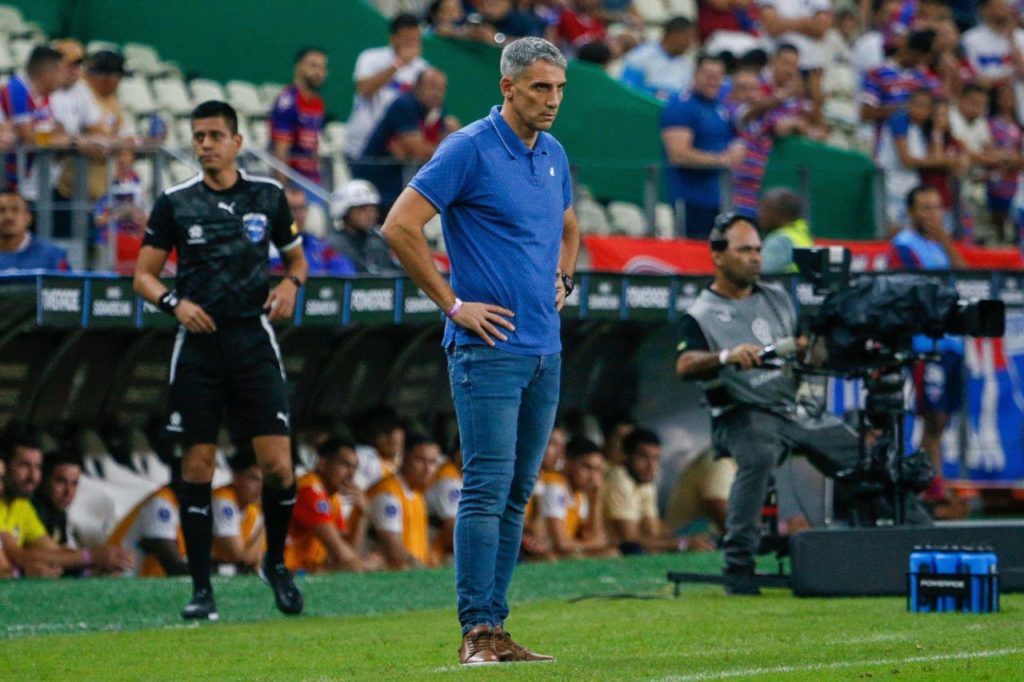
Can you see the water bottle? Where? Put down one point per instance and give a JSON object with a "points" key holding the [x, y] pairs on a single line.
{"points": [[946, 563], [992, 581], [975, 564], [922, 562]]}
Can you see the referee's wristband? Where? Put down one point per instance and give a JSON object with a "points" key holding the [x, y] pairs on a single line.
{"points": [[169, 301]]}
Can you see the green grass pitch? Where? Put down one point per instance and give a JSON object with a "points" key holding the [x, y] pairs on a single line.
{"points": [[402, 627]]}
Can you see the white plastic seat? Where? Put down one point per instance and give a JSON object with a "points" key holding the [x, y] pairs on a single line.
{"points": [[682, 8], [268, 93], [259, 133], [245, 98], [664, 221], [100, 46], [7, 63], [591, 217], [11, 20], [627, 218], [336, 131], [652, 11], [204, 89], [170, 94], [136, 96], [143, 59], [20, 50]]}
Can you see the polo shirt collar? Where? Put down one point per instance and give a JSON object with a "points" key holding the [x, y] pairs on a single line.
{"points": [[513, 145]]}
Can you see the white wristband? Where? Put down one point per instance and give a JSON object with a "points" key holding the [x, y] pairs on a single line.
{"points": [[723, 356]]}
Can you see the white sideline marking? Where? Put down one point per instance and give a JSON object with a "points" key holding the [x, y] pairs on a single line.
{"points": [[839, 665]]}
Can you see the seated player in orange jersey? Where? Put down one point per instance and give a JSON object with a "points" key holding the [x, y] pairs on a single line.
{"points": [[442, 504], [238, 539], [571, 503], [152, 531]]}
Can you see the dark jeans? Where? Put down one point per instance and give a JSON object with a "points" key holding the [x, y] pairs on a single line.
{"points": [[757, 440], [506, 405]]}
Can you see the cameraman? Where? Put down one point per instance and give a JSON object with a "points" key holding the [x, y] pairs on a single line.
{"points": [[753, 407]]}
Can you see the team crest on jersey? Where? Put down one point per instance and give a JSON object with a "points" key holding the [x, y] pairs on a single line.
{"points": [[228, 511], [255, 226], [322, 507], [454, 494], [164, 514], [391, 511]]}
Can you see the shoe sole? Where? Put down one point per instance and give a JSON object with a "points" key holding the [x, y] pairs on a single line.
{"points": [[212, 617]]}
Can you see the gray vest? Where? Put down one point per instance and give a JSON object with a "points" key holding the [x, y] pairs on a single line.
{"points": [[763, 318]]}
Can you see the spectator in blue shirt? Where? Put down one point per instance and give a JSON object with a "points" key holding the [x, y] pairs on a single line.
{"points": [[925, 245], [412, 127], [697, 132], [19, 249], [503, 188], [321, 258], [663, 69]]}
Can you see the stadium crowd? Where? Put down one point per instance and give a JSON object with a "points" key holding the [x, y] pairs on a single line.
{"points": [[387, 502]]}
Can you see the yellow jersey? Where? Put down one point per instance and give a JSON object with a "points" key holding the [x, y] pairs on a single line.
{"points": [[19, 518]]}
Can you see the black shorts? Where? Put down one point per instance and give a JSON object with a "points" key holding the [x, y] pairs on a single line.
{"points": [[236, 371]]}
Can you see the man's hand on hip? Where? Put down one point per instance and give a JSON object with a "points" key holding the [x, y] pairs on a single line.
{"points": [[484, 319]]}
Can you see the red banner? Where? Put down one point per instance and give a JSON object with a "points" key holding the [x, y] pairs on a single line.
{"points": [[693, 257]]}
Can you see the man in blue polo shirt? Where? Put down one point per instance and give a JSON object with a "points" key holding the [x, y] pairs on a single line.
{"points": [[503, 189], [19, 249], [925, 245], [696, 131]]}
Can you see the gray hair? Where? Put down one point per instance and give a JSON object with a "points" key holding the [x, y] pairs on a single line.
{"points": [[520, 54]]}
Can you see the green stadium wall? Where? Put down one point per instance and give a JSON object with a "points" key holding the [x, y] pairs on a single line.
{"points": [[609, 131]]}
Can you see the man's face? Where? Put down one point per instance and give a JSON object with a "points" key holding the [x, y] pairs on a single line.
{"points": [[71, 70], [494, 11], [644, 462], [431, 89], [105, 84], [25, 471], [14, 216], [49, 78], [62, 486], [248, 485], [708, 79], [678, 42], [390, 443], [587, 472], [408, 38], [997, 12], [214, 144], [363, 217], [338, 472], [298, 204], [785, 68], [973, 105], [312, 70], [419, 465], [740, 263], [926, 213], [919, 107], [745, 88], [554, 454], [536, 95], [931, 15]]}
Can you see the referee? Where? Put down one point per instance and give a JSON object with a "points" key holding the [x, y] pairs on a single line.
{"points": [[225, 356]]}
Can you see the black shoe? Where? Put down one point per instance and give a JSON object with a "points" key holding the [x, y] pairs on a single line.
{"points": [[741, 580], [286, 594], [202, 606]]}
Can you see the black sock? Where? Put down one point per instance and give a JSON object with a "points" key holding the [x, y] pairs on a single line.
{"points": [[277, 514], [197, 527]]}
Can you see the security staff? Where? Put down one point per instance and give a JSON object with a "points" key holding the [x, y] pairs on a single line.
{"points": [[226, 356], [753, 407]]}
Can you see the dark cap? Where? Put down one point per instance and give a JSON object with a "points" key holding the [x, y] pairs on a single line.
{"points": [[107, 62]]}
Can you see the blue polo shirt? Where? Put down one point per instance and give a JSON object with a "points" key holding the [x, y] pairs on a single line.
{"points": [[712, 132], [502, 209], [37, 254]]}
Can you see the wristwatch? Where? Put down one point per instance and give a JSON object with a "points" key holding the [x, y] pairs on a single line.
{"points": [[568, 282]]}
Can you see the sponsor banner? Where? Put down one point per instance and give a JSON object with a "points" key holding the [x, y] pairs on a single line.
{"points": [[417, 306], [603, 297], [371, 300], [649, 298], [61, 301], [687, 291], [691, 256], [112, 304], [323, 302]]}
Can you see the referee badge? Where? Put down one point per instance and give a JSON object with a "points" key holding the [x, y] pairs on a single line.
{"points": [[255, 226]]}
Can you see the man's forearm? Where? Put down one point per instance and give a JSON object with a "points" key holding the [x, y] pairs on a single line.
{"points": [[698, 364]]}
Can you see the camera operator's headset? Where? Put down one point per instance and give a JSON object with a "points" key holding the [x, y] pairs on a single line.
{"points": [[723, 221]]}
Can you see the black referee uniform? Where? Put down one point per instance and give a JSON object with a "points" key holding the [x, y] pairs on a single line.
{"points": [[222, 239]]}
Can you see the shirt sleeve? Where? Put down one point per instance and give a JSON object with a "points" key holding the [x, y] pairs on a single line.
{"points": [[676, 115], [776, 254], [32, 527], [284, 118], [443, 498], [648, 495], [386, 513], [691, 336], [447, 176], [566, 183], [899, 124], [160, 230], [619, 504], [18, 110], [284, 233], [158, 520], [871, 92], [402, 117], [554, 502], [227, 520], [312, 507]]}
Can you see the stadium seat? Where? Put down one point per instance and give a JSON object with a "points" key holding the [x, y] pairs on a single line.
{"points": [[317, 222], [144, 168], [20, 50], [268, 93], [170, 93], [136, 95], [627, 218], [204, 89], [143, 59], [336, 130], [682, 8], [340, 170], [244, 97], [183, 133], [11, 21], [7, 63], [591, 216], [180, 171], [100, 45], [259, 133], [653, 12]]}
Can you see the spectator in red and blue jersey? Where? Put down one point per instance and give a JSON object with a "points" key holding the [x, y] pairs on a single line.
{"points": [[298, 116], [581, 22], [887, 88], [995, 47], [25, 101], [725, 16], [19, 249], [1007, 135], [412, 128]]}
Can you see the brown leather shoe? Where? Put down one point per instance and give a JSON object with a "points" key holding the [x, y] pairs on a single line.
{"points": [[509, 652], [478, 646]]}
